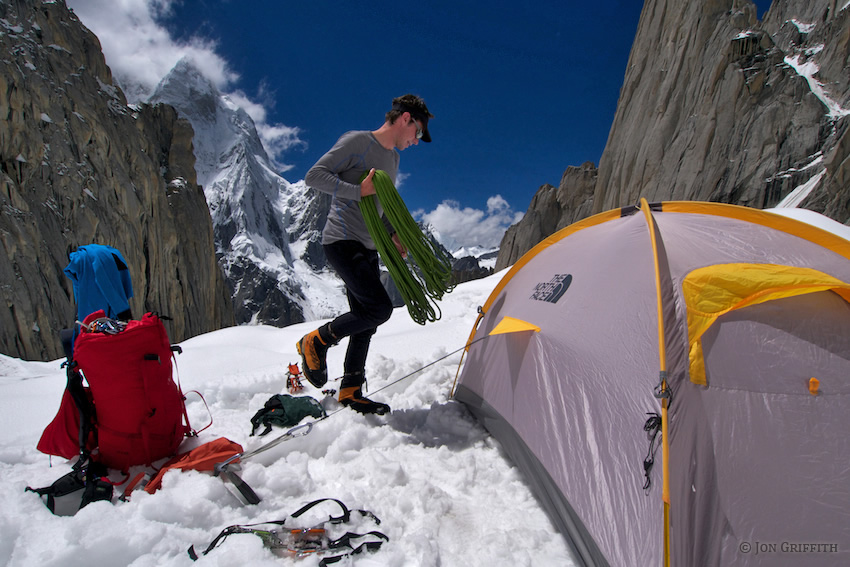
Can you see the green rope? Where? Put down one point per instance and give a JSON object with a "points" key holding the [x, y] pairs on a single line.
{"points": [[422, 285]]}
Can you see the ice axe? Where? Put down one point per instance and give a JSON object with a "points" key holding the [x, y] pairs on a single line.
{"points": [[227, 469]]}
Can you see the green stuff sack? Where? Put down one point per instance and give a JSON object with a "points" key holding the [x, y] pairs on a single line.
{"points": [[285, 411]]}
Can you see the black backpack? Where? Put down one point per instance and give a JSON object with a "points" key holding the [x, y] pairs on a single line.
{"points": [[86, 483]]}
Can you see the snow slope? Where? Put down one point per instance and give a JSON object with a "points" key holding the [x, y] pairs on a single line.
{"points": [[445, 492]]}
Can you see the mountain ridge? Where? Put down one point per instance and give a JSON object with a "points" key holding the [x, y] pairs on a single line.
{"points": [[719, 106], [267, 230], [79, 166]]}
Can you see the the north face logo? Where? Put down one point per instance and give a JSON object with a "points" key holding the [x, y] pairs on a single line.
{"points": [[552, 290]]}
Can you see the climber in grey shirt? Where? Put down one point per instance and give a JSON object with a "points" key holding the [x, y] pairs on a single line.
{"points": [[338, 173], [349, 248]]}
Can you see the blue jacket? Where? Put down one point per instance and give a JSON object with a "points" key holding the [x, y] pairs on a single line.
{"points": [[101, 280]]}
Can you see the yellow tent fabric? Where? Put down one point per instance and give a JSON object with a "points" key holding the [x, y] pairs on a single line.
{"points": [[713, 291], [506, 325], [512, 325]]}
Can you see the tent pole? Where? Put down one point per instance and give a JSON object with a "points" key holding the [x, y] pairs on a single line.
{"points": [[469, 342], [662, 356]]}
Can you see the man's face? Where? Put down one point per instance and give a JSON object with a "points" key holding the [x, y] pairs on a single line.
{"points": [[410, 132]]}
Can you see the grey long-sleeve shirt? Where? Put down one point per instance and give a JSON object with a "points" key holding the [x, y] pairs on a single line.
{"points": [[338, 173]]}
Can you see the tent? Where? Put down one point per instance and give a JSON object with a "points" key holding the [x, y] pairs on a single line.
{"points": [[673, 379]]}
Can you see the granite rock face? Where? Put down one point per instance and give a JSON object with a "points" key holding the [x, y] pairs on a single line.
{"points": [[78, 166], [718, 106], [551, 209]]}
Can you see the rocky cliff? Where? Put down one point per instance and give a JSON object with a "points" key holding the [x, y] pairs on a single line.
{"points": [[78, 166], [718, 106], [551, 209]]}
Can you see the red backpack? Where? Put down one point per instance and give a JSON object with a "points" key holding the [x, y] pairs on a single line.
{"points": [[133, 413]]}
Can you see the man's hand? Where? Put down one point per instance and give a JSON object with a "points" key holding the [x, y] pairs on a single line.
{"points": [[399, 246], [367, 187]]}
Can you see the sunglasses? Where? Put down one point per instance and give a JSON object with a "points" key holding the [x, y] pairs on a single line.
{"points": [[419, 131]]}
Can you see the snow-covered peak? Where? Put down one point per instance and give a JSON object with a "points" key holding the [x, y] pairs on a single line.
{"points": [[221, 127], [475, 251], [266, 229], [454, 248], [184, 80]]}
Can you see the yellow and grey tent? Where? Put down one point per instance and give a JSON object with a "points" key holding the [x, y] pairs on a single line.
{"points": [[716, 335]]}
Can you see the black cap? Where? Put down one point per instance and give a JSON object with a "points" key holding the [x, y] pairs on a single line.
{"points": [[419, 112]]}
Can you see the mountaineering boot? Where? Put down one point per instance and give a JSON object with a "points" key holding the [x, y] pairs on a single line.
{"points": [[313, 348], [351, 395]]}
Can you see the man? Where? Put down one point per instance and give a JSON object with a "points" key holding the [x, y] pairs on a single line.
{"points": [[350, 250]]}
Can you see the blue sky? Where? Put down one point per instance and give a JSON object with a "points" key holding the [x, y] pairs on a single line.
{"points": [[519, 91]]}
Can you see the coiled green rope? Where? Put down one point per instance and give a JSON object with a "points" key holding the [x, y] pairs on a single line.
{"points": [[422, 285]]}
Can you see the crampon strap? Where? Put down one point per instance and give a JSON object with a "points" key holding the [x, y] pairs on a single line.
{"points": [[303, 541]]}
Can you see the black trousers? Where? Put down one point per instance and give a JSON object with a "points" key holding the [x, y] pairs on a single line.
{"points": [[368, 301]]}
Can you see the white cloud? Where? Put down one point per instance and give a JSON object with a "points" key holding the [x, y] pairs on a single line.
{"points": [[467, 227], [140, 52], [496, 205], [400, 178], [277, 138]]}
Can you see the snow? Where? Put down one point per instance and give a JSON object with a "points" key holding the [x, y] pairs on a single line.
{"points": [[488, 263], [260, 210], [799, 194], [810, 51], [13, 29], [814, 219], [803, 27], [745, 34], [807, 70], [442, 487], [816, 159], [475, 251]]}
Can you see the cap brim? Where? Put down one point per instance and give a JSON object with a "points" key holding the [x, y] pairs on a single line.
{"points": [[426, 135], [415, 113]]}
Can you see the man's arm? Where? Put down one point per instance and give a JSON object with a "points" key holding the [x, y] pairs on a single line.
{"points": [[324, 175]]}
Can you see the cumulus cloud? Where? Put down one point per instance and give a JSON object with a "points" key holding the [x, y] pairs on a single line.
{"points": [[400, 179], [277, 138], [140, 52], [467, 227]]}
